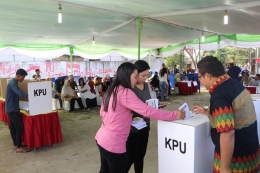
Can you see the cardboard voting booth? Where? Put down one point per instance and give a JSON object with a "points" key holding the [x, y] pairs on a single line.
{"points": [[3, 85], [24, 87], [39, 96], [185, 146]]}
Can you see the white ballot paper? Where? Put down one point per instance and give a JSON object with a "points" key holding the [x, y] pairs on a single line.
{"points": [[195, 83], [24, 105], [139, 123], [185, 107], [152, 102], [189, 83]]}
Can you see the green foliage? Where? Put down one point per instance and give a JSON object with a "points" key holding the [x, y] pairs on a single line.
{"points": [[171, 60], [235, 55]]}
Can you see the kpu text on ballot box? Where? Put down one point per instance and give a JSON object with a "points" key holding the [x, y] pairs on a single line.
{"points": [[185, 146], [39, 96]]}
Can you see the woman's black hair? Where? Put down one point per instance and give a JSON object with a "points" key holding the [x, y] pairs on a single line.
{"points": [[123, 77], [141, 66], [155, 77], [83, 81], [163, 71]]}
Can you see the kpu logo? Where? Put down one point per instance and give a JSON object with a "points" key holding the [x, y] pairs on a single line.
{"points": [[38, 92], [172, 144]]}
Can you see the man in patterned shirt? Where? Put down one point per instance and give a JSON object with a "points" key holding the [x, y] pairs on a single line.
{"points": [[233, 120]]}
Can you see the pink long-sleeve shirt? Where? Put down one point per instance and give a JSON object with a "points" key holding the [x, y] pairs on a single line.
{"points": [[116, 124]]}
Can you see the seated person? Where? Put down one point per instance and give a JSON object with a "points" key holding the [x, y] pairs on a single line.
{"points": [[68, 94], [91, 85], [176, 79], [96, 81], [103, 87], [184, 77], [234, 71], [155, 83], [188, 69], [86, 94], [37, 75], [58, 88], [109, 80], [73, 84], [246, 79], [255, 82]]}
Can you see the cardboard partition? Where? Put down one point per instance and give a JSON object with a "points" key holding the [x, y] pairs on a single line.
{"points": [[24, 87], [3, 86]]}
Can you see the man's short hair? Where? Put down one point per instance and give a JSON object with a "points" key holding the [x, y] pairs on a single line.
{"points": [[258, 75], [21, 72], [211, 65], [37, 70]]}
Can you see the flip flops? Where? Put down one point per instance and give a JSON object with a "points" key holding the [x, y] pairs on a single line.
{"points": [[25, 150], [15, 147]]}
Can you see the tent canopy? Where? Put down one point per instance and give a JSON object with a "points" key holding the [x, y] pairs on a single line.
{"points": [[113, 23]]}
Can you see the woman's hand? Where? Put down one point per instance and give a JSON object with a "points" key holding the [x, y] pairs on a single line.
{"points": [[181, 115], [199, 110]]}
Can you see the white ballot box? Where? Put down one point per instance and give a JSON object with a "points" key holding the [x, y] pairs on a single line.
{"points": [[185, 146], [40, 97]]}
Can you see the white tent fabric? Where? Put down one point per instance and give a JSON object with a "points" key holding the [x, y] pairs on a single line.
{"points": [[209, 46], [3, 48], [131, 56], [241, 44], [114, 24], [43, 53], [91, 56]]}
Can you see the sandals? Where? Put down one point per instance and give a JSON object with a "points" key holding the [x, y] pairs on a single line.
{"points": [[25, 150], [15, 147]]}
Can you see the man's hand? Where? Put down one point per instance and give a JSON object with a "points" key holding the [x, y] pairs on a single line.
{"points": [[199, 110]]}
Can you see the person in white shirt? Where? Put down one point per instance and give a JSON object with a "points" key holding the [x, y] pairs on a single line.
{"points": [[85, 93], [255, 82], [163, 83]]}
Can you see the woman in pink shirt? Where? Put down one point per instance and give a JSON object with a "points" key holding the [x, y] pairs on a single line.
{"points": [[116, 113]]}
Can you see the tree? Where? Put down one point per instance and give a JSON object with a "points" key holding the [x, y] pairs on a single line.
{"points": [[235, 55], [174, 60]]}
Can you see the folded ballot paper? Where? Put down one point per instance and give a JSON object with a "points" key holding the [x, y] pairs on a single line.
{"points": [[139, 123], [185, 107], [152, 102]]}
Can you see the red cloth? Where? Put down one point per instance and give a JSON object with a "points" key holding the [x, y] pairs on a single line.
{"points": [[3, 116], [91, 85], [251, 90], [39, 130], [185, 90]]}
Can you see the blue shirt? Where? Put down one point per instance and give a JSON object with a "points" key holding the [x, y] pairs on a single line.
{"points": [[12, 97]]}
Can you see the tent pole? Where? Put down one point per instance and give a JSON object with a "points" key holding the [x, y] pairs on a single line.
{"points": [[139, 35], [149, 59], [71, 60], [219, 47], [199, 50], [256, 56]]}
